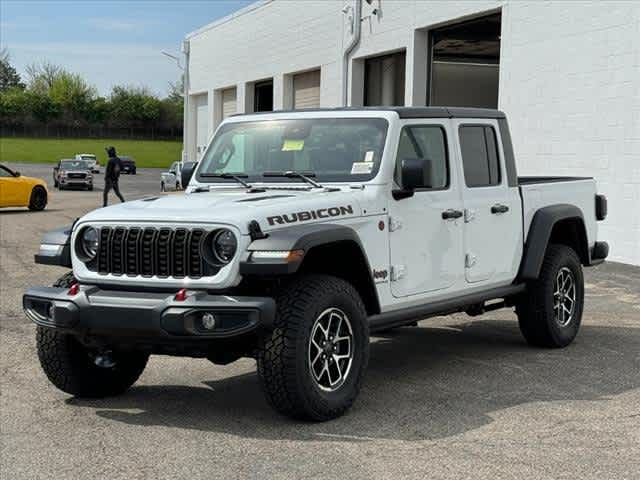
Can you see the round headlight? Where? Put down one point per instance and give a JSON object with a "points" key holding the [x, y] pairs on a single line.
{"points": [[224, 246], [89, 242]]}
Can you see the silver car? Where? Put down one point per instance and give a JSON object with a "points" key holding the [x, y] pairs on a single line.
{"points": [[171, 180]]}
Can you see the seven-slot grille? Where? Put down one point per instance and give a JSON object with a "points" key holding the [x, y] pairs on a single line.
{"points": [[163, 252]]}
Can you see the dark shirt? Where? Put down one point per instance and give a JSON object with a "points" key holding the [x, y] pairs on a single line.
{"points": [[114, 166]]}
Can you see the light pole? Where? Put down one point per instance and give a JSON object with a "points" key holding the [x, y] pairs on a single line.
{"points": [[185, 93]]}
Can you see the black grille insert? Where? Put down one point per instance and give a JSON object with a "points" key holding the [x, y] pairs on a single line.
{"points": [[163, 252]]}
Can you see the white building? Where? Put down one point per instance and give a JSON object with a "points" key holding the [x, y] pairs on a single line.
{"points": [[567, 73]]}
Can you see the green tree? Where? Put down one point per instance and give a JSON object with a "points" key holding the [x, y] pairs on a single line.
{"points": [[133, 107], [9, 77], [13, 107], [42, 75]]}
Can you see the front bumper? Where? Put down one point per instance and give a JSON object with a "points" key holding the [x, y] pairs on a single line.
{"points": [[76, 182], [149, 315]]}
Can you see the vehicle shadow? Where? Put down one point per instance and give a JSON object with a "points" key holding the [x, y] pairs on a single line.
{"points": [[17, 211], [422, 383]]}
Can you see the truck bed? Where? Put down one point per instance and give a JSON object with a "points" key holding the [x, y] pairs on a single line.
{"points": [[539, 192]]}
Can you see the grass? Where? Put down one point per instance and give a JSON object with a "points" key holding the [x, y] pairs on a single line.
{"points": [[147, 153]]}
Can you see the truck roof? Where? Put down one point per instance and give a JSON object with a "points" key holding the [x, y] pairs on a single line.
{"points": [[406, 112]]}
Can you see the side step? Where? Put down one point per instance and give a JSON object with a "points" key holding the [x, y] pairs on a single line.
{"points": [[397, 318]]}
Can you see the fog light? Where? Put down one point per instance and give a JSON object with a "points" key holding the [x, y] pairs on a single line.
{"points": [[208, 321], [51, 312]]}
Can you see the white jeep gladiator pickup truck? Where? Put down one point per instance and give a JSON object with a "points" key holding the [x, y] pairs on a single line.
{"points": [[302, 232]]}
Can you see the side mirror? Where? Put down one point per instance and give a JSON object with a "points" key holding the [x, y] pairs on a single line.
{"points": [[16, 174], [414, 173], [186, 174]]}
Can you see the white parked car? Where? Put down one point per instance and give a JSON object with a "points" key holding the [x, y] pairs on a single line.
{"points": [[302, 232], [171, 180], [91, 159]]}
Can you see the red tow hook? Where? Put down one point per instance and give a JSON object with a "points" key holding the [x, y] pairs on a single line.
{"points": [[181, 296], [73, 289]]}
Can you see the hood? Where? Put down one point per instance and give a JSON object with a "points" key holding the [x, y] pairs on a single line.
{"points": [[271, 209]]}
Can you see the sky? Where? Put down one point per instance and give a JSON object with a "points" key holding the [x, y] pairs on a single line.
{"points": [[107, 42]]}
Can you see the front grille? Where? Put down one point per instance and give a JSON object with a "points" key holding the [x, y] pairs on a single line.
{"points": [[76, 175], [162, 252]]}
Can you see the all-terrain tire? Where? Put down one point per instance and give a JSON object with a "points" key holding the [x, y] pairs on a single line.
{"points": [[536, 308], [71, 366], [38, 199], [283, 356]]}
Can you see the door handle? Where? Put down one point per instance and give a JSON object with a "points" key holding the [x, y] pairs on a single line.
{"points": [[451, 214], [499, 208]]}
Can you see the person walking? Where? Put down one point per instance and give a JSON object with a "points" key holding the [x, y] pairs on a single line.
{"points": [[112, 175]]}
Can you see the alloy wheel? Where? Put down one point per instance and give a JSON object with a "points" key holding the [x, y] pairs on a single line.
{"points": [[331, 349]]}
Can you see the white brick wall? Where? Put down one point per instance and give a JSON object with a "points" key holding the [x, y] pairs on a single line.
{"points": [[569, 78]]}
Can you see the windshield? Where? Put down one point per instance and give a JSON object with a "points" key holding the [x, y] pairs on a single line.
{"points": [[332, 149], [74, 165]]}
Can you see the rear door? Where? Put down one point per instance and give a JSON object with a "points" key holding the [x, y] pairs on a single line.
{"points": [[426, 246], [492, 208]]}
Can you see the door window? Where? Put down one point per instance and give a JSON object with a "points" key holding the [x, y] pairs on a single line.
{"points": [[428, 143], [479, 155], [5, 173]]}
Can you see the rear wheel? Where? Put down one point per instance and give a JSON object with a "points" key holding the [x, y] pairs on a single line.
{"points": [[550, 312], [38, 200], [311, 365], [83, 371]]}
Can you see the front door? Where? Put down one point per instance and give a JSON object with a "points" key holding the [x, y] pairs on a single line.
{"points": [[426, 228]]}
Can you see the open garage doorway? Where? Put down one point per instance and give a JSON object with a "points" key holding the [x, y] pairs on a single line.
{"points": [[263, 96], [465, 63], [384, 78]]}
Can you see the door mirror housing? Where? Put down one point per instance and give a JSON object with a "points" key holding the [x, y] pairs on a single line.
{"points": [[16, 174], [186, 174], [414, 173]]}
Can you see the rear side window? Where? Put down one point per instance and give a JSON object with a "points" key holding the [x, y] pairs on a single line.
{"points": [[428, 143], [479, 155]]}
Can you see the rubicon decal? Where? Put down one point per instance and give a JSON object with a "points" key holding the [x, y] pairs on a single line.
{"points": [[307, 215]]}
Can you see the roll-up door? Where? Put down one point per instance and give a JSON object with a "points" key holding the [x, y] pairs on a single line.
{"points": [[306, 90], [202, 126], [228, 102]]}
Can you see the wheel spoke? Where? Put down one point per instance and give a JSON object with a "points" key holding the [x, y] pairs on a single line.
{"points": [[337, 364], [313, 362]]}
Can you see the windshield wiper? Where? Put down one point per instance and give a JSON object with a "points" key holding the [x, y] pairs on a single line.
{"points": [[234, 176], [304, 176]]}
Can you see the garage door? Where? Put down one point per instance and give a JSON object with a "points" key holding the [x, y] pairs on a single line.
{"points": [[229, 102], [306, 90], [202, 127]]}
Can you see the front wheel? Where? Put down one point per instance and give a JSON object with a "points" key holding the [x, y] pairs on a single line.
{"points": [[38, 199], [311, 365], [550, 311], [83, 371]]}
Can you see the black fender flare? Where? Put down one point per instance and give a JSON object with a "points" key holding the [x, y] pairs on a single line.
{"points": [[304, 238], [539, 235], [60, 237]]}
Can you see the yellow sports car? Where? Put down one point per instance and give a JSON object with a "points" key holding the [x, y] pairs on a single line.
{"points": [[19, 191]]}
